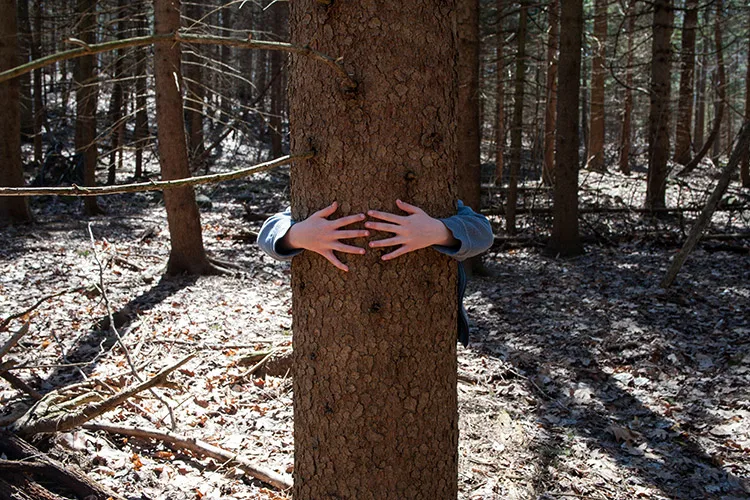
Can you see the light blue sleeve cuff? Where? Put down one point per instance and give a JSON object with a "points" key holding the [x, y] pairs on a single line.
{"points": [[271, 233], [473, 230]]}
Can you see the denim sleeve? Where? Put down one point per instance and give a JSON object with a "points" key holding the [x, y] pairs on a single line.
{"points": [[273, 229], [473, 230]]}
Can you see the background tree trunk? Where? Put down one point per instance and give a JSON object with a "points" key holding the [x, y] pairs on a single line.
{"points": [[141, 133], [627, 113], [375, 402], [745, 168], [279, 17], [500, 96], [39, 111], [700, 96], [87, 92], [685, 104], [468, 103], [595, 159], [117, 101], [196, 92], [187, 253], [565, 239], [12, 209], [516, 131], [550, 121], [658, 120]]}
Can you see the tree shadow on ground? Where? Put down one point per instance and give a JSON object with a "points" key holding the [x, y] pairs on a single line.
{"points": [[579, 328], [94, 344]]}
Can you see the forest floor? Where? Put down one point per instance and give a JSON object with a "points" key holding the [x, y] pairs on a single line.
{"points": [[583, 378]]}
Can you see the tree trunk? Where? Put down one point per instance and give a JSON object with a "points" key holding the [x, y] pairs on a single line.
{"points": [[595, 157], [516, 132], [87, 91], [195, 90], [227, 89], [244, 89], [682, 151], [550, 121], [375, 402], [187, 253], [117, 102], [500, 97], [141, 132], [745, 168], [278, 17], [12, 209], [713, 137], [700, 97], [627, 113], [565, 239], [658, 121], [39, 111], [24, 46]]}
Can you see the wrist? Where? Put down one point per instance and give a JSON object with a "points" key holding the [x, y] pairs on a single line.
{"points": [[444, 236]]}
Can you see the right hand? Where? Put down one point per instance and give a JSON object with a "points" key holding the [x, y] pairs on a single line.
{"points": [[322, 236]]}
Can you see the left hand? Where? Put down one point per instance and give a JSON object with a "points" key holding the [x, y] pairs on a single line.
{"points": [[412, 232]]}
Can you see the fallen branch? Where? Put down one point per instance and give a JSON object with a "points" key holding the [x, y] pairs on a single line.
{"points": [[52, 415], [39, 302], [76, 190], [140, 41], [13, 340], [197, 446], [740, 150]]}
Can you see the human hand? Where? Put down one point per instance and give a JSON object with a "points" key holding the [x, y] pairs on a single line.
{"points": [[322, 236], [412, 232]]}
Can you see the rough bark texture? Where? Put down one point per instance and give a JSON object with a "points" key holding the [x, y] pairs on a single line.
{"points": [[375, 403], [658, 120], [682, 150], [598, 72], [745, 167], [565, 238], [627, 112], [550, 113], [187, 253], [516, 131], [500, 97], [12, 210], [87, 92]]}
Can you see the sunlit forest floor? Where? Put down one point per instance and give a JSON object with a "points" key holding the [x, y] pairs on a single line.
{"points": [[583, 378]]}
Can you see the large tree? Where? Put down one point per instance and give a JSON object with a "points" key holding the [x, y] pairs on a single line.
{"points": [[658, 120], [11, 171], [375, 403], [565, 239], [187, 253]]}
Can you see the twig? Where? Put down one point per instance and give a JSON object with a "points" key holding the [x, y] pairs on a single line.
{"points": [[113, 328], [32, 423], [14, 340], [196, 445], [39, 302], [20, 385], [75, 190]]}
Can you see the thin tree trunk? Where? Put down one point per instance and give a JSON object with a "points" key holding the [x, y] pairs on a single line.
{"points": [[550, 121], [196, 93], [745, 168], [25, 44], [12, 210], [584, 136], [244, 90], [658, 121], [468, 103], [627, 114], [685, 103], [187, 253], [595, 159], [141, 132], [278, 16], [39, 111], [116, 101], [87, 91], [227, 90], [700, 95], [375, 401], [565, 239], [720, 92], [516, 132], [500, 96]]}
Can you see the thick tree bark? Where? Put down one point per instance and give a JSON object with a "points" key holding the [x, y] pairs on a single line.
{"points": [[187, 253], [500, 97], [721, 79], [550, 114], [627, 113], [659, 115], [516, 131], [745, 168], [682, 146], [565, 238], [12, 210], [598, 72], [87, 92], [375, 403]]}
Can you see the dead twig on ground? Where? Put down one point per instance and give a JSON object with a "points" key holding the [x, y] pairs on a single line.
{"points": [[197, 446], [39, 302]]}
